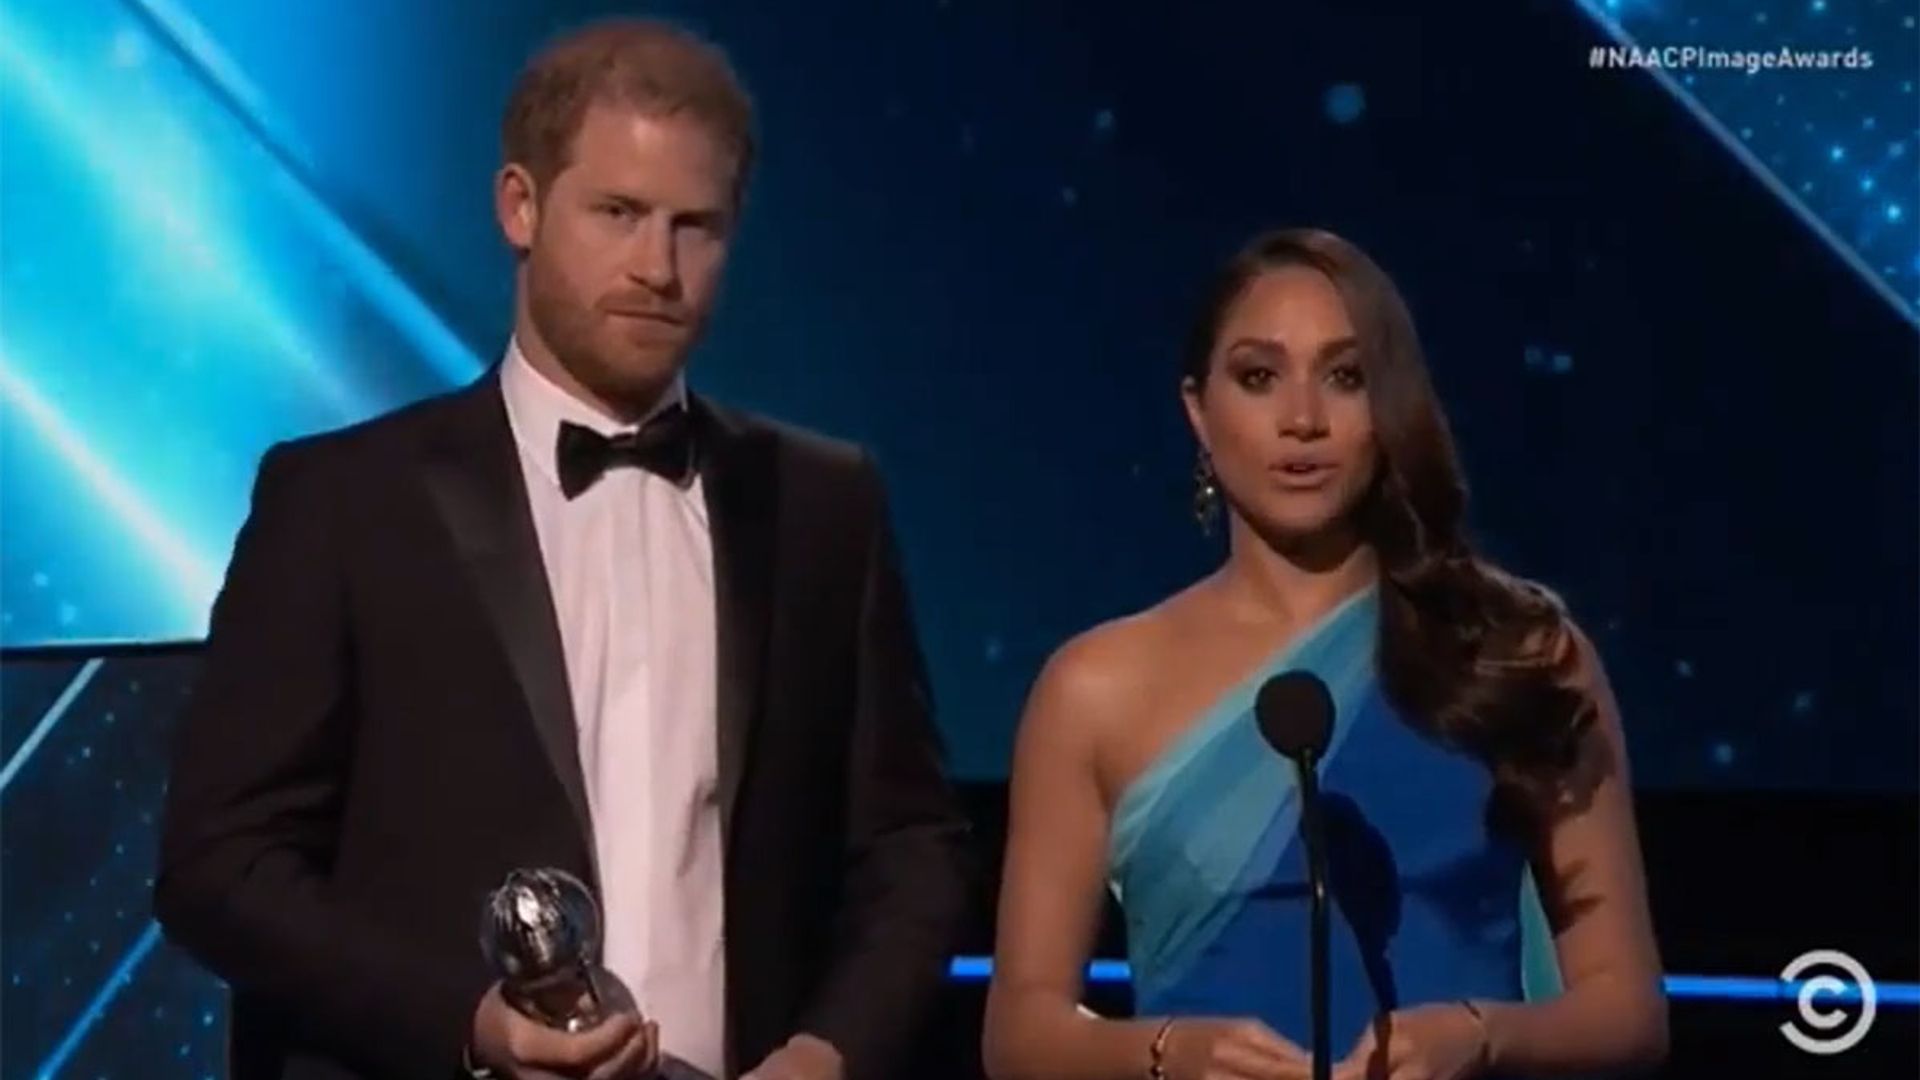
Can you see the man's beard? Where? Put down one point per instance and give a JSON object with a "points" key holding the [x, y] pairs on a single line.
{"points": [[575, 334]]}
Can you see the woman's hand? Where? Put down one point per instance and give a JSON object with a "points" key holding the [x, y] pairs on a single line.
{"points": [[1232, 1050], [1431, 1042]]}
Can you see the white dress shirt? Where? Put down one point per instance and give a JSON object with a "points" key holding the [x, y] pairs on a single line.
{"points": [[630, 565]]}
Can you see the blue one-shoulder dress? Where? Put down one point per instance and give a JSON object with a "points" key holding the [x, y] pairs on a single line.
{"points": [[1428, 900]]}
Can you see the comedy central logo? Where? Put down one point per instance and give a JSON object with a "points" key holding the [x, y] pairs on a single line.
{"points": [[1831, 1032]]}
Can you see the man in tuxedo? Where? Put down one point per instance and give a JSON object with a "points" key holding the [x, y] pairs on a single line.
{"points": [[573, 616]]}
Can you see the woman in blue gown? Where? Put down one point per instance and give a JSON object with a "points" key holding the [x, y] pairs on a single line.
{"points": [[1487, 906]]}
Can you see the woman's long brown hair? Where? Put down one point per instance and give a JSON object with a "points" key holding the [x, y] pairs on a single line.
{"points": [[1479, 659]]}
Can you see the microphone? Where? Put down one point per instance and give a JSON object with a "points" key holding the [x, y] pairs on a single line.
{"points": [[1295, 714], [1294, 711]]}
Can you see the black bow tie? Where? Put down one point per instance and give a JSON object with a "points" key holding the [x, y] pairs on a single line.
{"points": [[663, 446]]}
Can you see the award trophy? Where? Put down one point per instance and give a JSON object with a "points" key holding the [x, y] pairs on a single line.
{"points": [[541, 934]]}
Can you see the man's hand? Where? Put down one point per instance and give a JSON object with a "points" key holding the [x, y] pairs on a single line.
{"points": [[805, 1057], [624, 1047]]}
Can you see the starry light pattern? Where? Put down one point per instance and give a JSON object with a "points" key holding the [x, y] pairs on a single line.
{"points": [[1838, 143]]}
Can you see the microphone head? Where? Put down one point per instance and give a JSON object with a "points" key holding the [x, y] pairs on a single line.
{"points": [[1295, 712]]}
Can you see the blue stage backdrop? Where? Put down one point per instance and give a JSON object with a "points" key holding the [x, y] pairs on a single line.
{"points": [[1672, 310]]}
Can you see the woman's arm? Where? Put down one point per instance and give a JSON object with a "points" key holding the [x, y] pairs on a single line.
{"points": [[1051, 900], [1051, 892], [1613, 1011]]}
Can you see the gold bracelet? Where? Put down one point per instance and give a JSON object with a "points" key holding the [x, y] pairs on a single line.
{"points": [[1157, 1051], [1484, 1059]]}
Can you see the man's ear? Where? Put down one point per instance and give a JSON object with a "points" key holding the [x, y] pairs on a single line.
{"points": [[516, 205]]}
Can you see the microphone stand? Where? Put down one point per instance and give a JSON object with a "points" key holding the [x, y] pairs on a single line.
{"points": [[1306, 766]]}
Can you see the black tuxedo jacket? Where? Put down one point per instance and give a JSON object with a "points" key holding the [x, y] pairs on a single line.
{"points": [[383, 729]]}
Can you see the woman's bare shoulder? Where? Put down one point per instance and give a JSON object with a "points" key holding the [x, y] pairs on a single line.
{"points": [[1106, 673]]}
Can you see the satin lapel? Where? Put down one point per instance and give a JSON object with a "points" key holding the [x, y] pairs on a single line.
{"points": [[738, 472], [473, 472]]}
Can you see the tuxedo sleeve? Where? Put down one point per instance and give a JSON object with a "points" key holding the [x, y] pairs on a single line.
{"points": [[904, 889], [259, 770]]}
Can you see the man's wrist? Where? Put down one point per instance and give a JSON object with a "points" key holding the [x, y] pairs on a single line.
{"points": [[817, 1050], [471, 1065]]}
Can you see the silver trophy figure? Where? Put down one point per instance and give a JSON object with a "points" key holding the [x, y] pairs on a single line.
{"points": [[541, 934]]}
